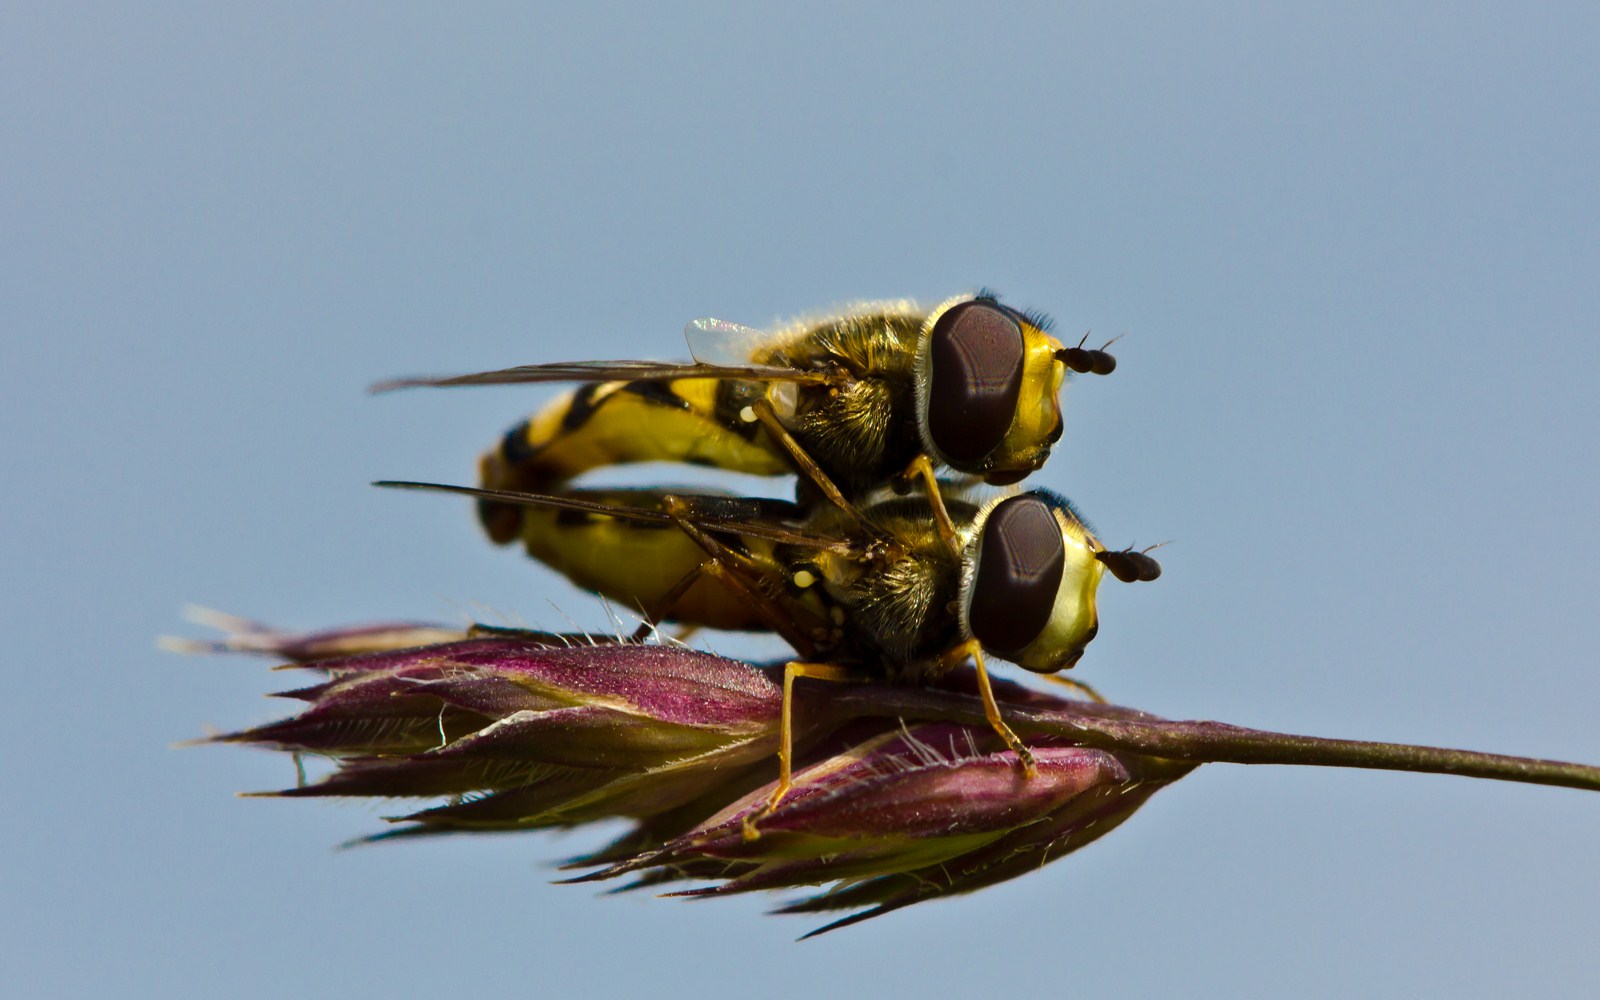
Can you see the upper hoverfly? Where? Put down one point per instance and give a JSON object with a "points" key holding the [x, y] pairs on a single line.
{"points": [[877, 393], [881, 593]]}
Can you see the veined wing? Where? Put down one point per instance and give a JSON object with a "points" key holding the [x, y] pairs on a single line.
{"points": [[612, 371], [717, 512]]}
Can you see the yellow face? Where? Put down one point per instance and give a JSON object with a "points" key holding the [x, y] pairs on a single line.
{"points": [[1074, 620], [1038, 423]]}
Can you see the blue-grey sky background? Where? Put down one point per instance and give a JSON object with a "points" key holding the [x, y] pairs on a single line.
{"points": [[1354, 249]]}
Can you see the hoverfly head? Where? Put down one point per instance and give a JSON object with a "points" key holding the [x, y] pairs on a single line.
{"points": [[987, 383], [1029, 579]]}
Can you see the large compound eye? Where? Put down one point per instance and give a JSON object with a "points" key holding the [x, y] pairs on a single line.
{"points": [[975, 378], [1020, 561]]}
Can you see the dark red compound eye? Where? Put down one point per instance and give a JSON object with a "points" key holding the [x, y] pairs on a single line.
{"points": [[976, 377], [1020, 562]]}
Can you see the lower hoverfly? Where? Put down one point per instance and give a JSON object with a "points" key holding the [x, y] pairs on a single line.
{"points": [[891, 599], [880, 392]]}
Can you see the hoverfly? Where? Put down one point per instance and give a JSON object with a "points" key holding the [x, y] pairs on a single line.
{"points": [[881, 392], [894, 599]]}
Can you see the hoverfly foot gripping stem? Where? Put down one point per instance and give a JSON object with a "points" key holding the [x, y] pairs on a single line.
{"points": [[991, 708], [791, 670]]}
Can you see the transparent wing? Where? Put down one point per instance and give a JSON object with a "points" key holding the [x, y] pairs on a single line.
{"points": [[719, 342], [609, 371], [773, 520]]}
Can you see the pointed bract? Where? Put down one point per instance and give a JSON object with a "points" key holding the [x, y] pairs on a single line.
{"points": [[523, 730], [520, 732]]}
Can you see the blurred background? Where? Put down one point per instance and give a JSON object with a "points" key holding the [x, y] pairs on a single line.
{"points": [[1353, 250]]}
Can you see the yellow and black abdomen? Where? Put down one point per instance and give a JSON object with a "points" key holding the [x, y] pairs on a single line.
{"points": [[638, 564], [612, 423]]}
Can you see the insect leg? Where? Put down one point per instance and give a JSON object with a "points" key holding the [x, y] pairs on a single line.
{"points": [[921, 467], [553, 640], [735, 572], [653, 617], [739, 573], [1085, 689], [791, 670], [663, 608], [991, 710], [803, 462]]}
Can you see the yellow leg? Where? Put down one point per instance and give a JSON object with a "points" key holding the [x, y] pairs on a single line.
{"points": [[1085, 689], [922, 467], [791, 670], [739, 574], [803, 461], [991, 710]]}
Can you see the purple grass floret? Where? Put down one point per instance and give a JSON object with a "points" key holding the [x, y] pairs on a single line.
{"points": [[900, 795], [521, 731]]}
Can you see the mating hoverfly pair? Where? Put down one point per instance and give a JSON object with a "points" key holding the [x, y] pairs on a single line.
{"points": [[879, 566]]}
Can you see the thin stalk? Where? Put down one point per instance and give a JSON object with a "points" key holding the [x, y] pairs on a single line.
{"points": [[1209, 742]]}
